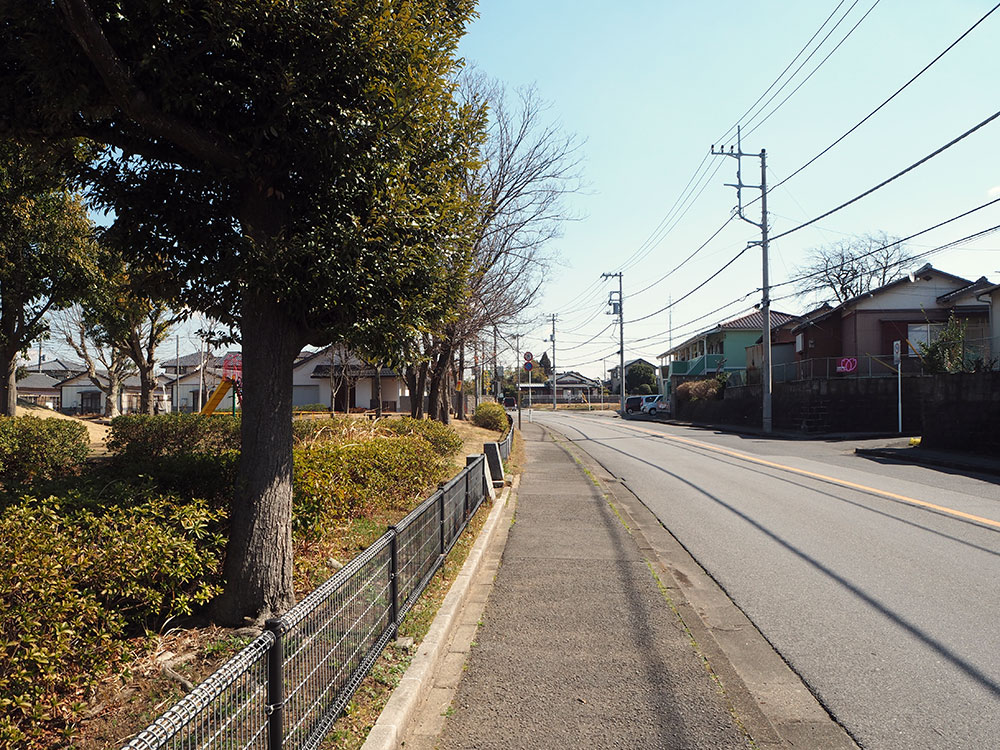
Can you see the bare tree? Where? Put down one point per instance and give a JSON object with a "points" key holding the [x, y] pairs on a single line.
{"points": [[107, 365], [851, 267], [341, 375], [528, 166]]}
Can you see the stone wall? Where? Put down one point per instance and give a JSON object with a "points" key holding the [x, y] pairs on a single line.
{"points": [[962, 412]]}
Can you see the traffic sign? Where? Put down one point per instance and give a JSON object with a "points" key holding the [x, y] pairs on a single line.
{"points": [[528, 356], [896, 351], [527, 366]]}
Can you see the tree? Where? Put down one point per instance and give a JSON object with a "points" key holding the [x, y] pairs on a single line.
{"points": [[850, 267], [95, 350], [294, 169], [46, 247], [121, 315], [638, 375], [545, 364], [526, 168]]}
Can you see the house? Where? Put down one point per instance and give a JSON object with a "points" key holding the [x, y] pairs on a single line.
{"points": [[355, 380], [614, 378], [913, 310], [79, 395], [721, 348], [572, 386], [39, 389]]}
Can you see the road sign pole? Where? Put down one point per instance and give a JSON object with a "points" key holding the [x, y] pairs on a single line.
{"points": [[897, 358]]}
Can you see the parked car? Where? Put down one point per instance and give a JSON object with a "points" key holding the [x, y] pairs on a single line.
{"points": [[509, 402], [653, 405], [633, 404]]}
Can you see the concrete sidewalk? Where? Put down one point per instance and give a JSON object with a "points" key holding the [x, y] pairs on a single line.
{"points": [[577, 644]]}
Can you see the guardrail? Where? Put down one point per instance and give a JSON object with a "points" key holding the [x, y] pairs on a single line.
{"points": [[287, 687]]}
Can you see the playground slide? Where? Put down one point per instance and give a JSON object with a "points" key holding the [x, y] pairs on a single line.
{"points": [[216, 399]]}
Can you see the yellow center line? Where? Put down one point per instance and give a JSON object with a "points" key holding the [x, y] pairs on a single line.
{"points": [[822, 477]]}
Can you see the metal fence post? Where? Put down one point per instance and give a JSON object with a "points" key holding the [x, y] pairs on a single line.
{"points": [[441, 506], [275, 687], [394, 580]]}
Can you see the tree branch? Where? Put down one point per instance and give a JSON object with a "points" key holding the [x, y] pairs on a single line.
{"points": [[135, 103]]}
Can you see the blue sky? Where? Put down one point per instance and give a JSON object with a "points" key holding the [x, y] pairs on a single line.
{"points": [[650, 86]]}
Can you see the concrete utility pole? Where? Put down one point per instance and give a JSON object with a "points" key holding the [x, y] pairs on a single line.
{"points": [[554, 373], [619, 308], [765, 305], [496, 367], [517, 350]]}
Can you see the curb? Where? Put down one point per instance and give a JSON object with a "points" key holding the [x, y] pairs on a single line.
{"points": [[392, 723]]}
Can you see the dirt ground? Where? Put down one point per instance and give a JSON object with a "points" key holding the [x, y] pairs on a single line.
{"points": [[98, 432]]}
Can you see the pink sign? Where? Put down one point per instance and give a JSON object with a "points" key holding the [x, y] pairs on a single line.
{"points": [[847, 364]]}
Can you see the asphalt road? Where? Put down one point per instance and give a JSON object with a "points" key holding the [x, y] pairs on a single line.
{"points": [[878, 583]]}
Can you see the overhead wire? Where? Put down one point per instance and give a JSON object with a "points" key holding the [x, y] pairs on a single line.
{"points": [[875, 111], [896, 176], [813, 72]]}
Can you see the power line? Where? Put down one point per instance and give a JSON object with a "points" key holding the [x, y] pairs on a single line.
{"points": [[676, 268], [684, 297], [578, 346], [875, 111], [782, 73], [896, 176], [813, 72]]}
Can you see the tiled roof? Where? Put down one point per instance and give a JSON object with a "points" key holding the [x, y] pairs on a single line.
{"points": [[37, 380], [755, 321]]}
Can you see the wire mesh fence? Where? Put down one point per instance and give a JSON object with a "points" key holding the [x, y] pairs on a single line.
{"points": [[508, 439], [287, 687]]}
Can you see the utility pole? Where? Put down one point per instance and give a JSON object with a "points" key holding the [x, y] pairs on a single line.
{"points": [[177, 372], [555, 375], [765, 305], [517, 350], [496, 367], [619, 308]]}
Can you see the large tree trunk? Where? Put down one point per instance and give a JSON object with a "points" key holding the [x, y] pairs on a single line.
{"points": [[147, 385], [439, 385], [258, 568], [112, 395], [410, 376], [8, 383], [461, 379], [421, 387]]}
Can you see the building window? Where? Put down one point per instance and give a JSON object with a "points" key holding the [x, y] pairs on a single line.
{"points": [[922, 333], [800, 342]]}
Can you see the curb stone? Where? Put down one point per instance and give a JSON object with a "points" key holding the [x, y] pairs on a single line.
{"points": [[397, 715]]}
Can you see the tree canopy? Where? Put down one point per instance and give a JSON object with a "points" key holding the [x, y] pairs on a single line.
{"points": [[294, 169], [46, 245]]}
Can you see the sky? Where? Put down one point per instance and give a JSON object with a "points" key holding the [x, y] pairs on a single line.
{"points": [[648, 87]]}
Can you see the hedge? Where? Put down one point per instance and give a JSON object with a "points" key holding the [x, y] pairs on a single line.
{"points": [[333, 481], [32, 449], [143, 436], [443, 439], [490, 415]]}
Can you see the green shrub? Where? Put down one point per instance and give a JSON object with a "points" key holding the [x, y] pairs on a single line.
{"points": [[333, 481], [311, 407], [491, 416], [138, 436], [644, 390], [76, 582], [333, 427], [443, 439], [33, 448], [696, 390]]}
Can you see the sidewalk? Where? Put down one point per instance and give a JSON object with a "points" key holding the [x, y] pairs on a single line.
{"points": [[577, 645]]}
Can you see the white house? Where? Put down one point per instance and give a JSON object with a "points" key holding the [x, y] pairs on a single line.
{"points": [[311, 383], [79, 395]]}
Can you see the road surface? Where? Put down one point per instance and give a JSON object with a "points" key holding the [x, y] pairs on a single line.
{"points": [[878, 583]]}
